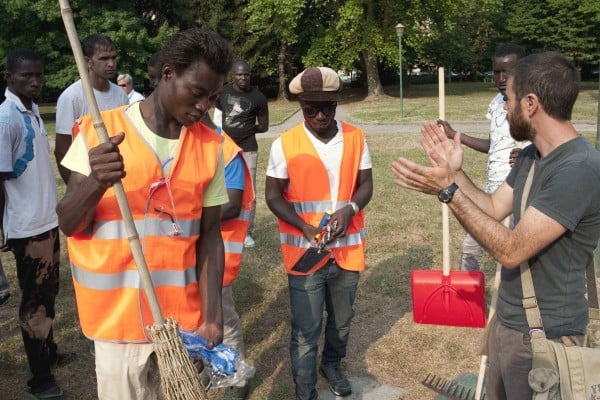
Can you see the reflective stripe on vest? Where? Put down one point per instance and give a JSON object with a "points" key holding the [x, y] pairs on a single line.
{"points": [[234, 230], [131, 278], [110, 303], [147, 227], [309, 194], [233, 247], [300, 241]]}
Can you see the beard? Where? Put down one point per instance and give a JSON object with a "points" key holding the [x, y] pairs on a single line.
{"points": [[520, 129]]}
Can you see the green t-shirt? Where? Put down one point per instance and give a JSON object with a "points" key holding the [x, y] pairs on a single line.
{"points": [[566, 188]]}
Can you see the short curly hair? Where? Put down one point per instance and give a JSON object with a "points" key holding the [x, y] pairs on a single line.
{"points": [[187, 47], [16, 56]]}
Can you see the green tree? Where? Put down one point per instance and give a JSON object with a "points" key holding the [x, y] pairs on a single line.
{"points": [[37, 24], [274, 23], [458, 35], [359, 32], [570, 27]]}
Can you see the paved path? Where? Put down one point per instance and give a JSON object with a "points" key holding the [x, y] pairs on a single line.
{"points": [[364, 388], [342, 113]]}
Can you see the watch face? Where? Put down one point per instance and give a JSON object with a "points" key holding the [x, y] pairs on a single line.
{"points": [[445, 196]]}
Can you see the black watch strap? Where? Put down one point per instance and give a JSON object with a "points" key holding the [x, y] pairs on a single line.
{"points": [[446, 195]]}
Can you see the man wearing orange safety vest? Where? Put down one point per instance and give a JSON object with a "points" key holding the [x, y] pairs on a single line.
{"points": [[320, 166], [171, 167], [235, 220]]}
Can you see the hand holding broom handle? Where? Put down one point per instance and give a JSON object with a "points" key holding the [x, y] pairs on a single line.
{"points": [[132, 235], [445, 223]]}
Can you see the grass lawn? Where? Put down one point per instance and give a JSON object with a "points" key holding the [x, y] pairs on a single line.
{"points": [[465, 102], [404, 233]]}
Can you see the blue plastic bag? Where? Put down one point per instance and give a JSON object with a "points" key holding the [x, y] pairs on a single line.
{"points": [[221, 359]]}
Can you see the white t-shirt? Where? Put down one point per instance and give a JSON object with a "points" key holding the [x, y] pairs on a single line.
{"points": [[135, 96], [30, 205], [330, 154], [71, 104], [501, 144]]}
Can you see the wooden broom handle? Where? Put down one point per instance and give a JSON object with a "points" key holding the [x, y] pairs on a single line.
{"points": [[132, 235], [445, 223]]}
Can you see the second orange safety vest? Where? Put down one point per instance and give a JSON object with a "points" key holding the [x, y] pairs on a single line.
{"points": [[309, 193], [234, 230]]}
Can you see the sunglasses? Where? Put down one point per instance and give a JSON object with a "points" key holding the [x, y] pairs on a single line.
{"points": [[173, 229], [325, 108], [122, 84], [164, 207]]}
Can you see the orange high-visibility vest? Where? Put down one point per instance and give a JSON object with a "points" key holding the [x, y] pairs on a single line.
{"points": [[166, 212], [309, 193], [234, 230]]}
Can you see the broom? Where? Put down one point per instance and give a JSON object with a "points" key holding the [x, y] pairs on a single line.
{"points": [[457, 389], [178, 376], [461, 388]]}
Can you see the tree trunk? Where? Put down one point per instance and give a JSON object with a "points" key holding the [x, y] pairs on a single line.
{"points": [[374, 87], [281, 57]]}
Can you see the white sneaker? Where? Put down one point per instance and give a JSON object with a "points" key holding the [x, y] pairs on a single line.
{"points": [[249, 242]]}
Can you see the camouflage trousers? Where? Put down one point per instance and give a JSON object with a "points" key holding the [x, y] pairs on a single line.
{"points": [[37, 260]]}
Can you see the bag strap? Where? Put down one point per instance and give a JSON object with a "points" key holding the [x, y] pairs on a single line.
{"points": [[532, 311], [541, 349]]}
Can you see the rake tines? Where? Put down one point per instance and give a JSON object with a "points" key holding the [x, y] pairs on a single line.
{"points": [[449, 389]]}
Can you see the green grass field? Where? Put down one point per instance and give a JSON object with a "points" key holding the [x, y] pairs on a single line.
{"points": [[404, 233], [465, 102]]}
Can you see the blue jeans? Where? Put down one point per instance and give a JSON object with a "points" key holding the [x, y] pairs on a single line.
{"points": [[335, 289]]}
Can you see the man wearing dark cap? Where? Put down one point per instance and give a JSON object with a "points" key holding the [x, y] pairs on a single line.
{"points": [[318, 181]]}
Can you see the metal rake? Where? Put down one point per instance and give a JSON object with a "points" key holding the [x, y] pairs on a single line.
{"points": [[450, 389]]}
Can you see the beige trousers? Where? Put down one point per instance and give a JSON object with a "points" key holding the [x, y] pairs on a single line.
{"points": [[127, 371]]}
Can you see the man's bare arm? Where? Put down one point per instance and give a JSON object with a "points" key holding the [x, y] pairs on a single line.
{"points": [[497, 205], [210, 264], [534, 231], [282, 209], [76, 209], [61, 146], [233, 207], [480, 216], [263, 119], [478, 144]]}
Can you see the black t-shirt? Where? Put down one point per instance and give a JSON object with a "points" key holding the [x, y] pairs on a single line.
{"points": [[566, 188], [240, 110]]}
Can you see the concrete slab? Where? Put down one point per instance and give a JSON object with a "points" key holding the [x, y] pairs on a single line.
{"points": [[364, 388]]}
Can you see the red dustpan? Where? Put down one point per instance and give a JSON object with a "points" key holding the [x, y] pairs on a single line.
{"points": [[455, 298]]}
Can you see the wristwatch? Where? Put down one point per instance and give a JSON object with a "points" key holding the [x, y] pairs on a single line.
{"points": [[354, 207], [445, 195]]}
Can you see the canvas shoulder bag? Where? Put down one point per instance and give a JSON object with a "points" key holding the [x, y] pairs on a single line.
{"points": [[565, 369]]}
